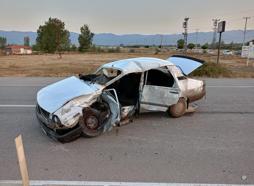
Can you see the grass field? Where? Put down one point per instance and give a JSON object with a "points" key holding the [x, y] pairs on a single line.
{"points": [[73, 64]]}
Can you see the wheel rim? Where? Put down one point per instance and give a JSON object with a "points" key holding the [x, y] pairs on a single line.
{"points": [[92, 123]]}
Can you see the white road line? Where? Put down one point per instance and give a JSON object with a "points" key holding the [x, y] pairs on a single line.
{"points": [[17, 106], [230, 86], [32, 106], [93, 183], [22, 85]]}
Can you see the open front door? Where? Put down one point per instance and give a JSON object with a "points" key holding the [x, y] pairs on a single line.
{"points": [[159, 91]]}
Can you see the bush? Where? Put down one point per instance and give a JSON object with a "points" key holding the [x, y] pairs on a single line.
{"points": [[96, 49], [132, 50], [205, 46], [212, 70], [180, 44], [191, 46], [135, 46], [73, 47], [114, 50]]}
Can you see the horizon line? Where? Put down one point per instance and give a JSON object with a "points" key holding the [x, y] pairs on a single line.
{"points": [[118, 34]]}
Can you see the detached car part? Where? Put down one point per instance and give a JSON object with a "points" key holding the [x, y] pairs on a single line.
{"points": [[92, 104]]}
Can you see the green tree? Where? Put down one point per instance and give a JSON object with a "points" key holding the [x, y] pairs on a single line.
{"points": [[35, 47], [53, 37], [191, 46], [3, 42], [205, 46], [180, 44], [85, 38], [26, 41]]}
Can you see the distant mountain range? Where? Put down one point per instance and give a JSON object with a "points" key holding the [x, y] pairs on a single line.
{"points": [[108, 39]]}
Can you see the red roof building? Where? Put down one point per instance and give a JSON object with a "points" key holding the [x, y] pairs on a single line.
{"points": [[18, 49]]}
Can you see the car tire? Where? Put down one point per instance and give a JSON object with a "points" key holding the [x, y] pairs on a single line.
{"points": [[178, 109], [90, 124]]}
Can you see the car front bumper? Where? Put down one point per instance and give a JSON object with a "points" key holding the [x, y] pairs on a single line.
{"points": [[62, 135]]}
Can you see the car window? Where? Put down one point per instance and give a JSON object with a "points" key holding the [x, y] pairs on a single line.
{"points": [[160, 77], [178, 72]]}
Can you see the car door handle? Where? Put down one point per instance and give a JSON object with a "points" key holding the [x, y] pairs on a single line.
{"points": [[173, 92]]}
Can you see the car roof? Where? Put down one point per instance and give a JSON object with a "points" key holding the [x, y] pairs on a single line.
{"points": [[137, 64]]}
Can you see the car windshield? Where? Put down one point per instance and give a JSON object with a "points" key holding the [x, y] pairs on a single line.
{"points": [[104, 75]]}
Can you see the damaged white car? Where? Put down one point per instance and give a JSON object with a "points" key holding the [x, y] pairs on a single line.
{"points": [[92, 104]]}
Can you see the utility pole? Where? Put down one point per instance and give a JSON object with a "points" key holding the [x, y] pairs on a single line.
{"points": [[161, 41], [215, 24], [185, 34], [197, 30], [245, 29]]}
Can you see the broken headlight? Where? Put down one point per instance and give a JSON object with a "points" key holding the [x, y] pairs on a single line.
{"points": [[57, 122], [82, 101], [70, 113], [71, 121], [56, 119]]}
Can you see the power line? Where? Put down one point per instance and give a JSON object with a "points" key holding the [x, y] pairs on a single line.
{"points": [[245, 28], [227, 15]]}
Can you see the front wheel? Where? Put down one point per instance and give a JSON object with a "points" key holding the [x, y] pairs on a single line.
{"points": [[178, 109], [91, 123]]}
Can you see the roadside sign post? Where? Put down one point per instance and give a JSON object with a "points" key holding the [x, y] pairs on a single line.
{"points": [[218, 55], [22, 160], [245, 51], [250, 53], [221, 29]]}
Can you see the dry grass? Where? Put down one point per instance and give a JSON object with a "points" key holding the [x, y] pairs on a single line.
{"points": [[73, 64], [235, 65]]}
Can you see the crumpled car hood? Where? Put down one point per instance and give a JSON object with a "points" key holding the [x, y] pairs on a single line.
{"points": [[54, 96]]}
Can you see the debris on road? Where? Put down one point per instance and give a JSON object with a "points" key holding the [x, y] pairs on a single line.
{"points": [[244, 177]]}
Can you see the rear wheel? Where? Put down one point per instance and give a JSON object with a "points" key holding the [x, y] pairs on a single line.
{"points": [[178, 109]]}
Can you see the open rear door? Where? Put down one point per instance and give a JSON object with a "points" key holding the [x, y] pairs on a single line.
{"points": [[185, 63], [159, 91]]}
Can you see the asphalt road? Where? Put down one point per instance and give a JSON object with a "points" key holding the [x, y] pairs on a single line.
{"points": [[213, 145]]}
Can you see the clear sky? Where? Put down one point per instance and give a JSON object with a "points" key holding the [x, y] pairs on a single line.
{"points": [[126, 16]]}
